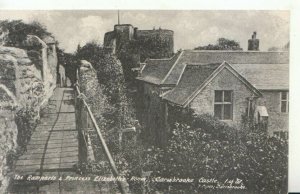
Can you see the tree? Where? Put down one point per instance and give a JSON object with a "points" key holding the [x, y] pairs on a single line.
{"points": [[18, 31], [222, 44]]}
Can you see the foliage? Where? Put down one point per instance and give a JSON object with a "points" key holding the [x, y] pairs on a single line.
{"points": [[135, 158], [198, 145], [18, 30], [26, 120], [111, 79], [91, 52], [266, 160], [110, 74], [27, 115], [222, 44], [200, 148], [105, 92], [202, 145]]}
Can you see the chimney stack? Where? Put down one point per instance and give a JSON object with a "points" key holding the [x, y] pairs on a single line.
{"points": [[253, 44]]}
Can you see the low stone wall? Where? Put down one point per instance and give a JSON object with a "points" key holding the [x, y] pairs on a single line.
{"points": [[26, 84], [8, 143]]}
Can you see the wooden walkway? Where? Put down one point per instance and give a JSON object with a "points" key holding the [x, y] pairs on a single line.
{"points": [[53, 152], [54, 144]]}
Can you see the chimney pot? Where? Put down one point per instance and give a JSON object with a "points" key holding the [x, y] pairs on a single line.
{"points": [[253, 44]]}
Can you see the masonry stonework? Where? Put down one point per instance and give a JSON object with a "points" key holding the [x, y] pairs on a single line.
{"points": [[204, 101], [126, 33], [277, 121], [27, 79], [133, 46]]}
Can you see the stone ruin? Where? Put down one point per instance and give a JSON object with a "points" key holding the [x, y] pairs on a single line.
{"points": [[27, 78]]}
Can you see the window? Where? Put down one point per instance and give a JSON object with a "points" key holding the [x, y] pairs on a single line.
{"points": [[223, 104], [284, 101], [281, 134]]}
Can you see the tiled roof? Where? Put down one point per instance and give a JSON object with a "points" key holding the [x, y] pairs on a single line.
{"points": [[260, 76], [192, 78], [156, 69], [232, 57], [168, 71], [265, 76]]}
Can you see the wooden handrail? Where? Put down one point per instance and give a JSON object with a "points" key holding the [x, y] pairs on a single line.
{"points": [[103, 144]]}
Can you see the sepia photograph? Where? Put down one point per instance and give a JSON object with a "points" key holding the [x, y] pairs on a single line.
{"points": [[144, 101]]}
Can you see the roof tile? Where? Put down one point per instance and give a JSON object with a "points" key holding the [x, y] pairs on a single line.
{"points": [[192, 78], [232, 57], [265, 76], [156, 69]]}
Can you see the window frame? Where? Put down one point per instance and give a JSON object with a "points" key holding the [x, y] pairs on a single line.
{"points": [[223, 103], [281, 134], [284, 100]]}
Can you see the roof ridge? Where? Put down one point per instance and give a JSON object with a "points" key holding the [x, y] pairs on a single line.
{"points": [[201, 64], [170, 58], [181, 53]]}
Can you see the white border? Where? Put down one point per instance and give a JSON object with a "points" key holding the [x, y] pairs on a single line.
{"points": [[147, 4]]}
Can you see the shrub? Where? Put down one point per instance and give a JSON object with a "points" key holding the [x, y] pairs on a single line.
{"points": [[204, 146], [26, 120]]}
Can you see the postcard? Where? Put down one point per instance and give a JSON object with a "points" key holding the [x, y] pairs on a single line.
{"points": [[144, 101]]}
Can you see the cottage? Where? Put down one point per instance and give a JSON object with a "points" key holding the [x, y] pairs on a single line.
{"points": [[225, 84], [217, 89], [272, 80]]}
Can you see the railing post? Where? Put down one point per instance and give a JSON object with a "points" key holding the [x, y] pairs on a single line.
{"points": [[90, 153], [123, 186], [79, 126]]}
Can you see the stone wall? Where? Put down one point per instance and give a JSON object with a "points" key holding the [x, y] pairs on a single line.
{"points": [[277, 121], [8, 133], [34, 66], [52, 61], [20, 75], [8, 143], [204, 101], [87, 74], [20, 84], [133, 46], [27, 80], [161, 40], [44, 57], [155, 43]]}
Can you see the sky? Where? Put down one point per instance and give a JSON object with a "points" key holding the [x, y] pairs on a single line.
{"points": [[191, 28]]}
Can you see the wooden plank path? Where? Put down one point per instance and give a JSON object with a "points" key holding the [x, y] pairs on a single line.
{"points": [[54, 144], [53, 152]]}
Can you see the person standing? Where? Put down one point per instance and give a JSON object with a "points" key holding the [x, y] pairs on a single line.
{"points": [[62, 75]]}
